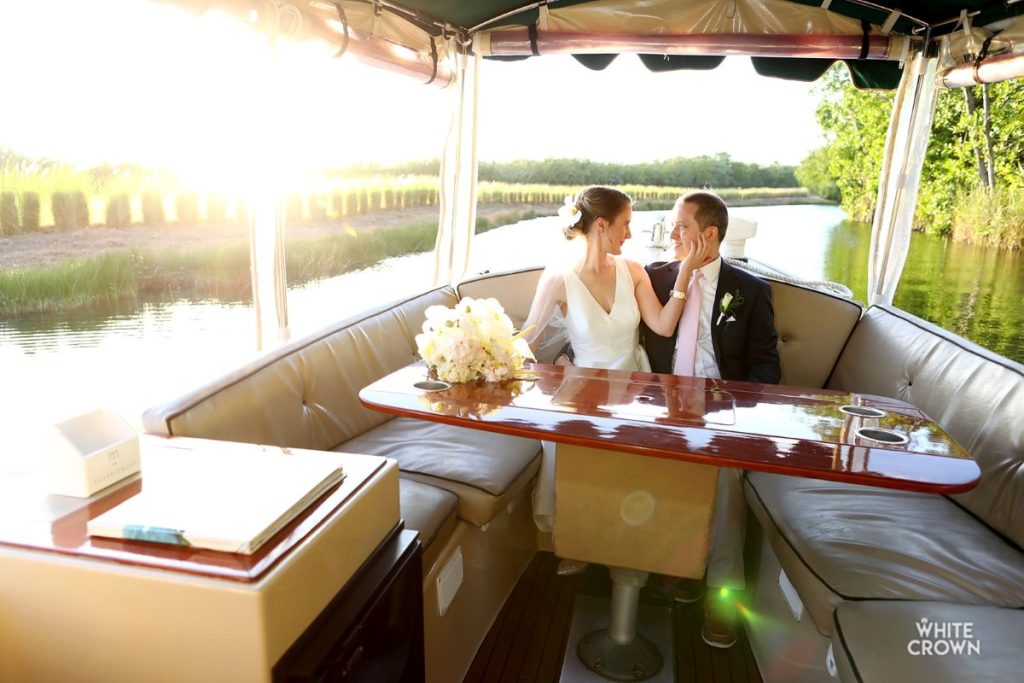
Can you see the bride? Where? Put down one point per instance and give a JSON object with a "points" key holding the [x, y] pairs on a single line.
{"points": [[602, 298]]}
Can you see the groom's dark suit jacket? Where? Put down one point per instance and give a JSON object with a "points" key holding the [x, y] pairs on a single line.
{"points": [[745, 348]]}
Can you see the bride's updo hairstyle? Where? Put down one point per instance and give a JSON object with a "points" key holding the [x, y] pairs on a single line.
{"points": [[592, 203]]}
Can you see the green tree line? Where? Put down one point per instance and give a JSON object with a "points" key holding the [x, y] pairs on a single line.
{"points": [[41, 194], [718, 170], [972, 184]]}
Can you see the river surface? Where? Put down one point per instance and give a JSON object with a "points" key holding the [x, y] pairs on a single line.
{"points": [[56, 366]]}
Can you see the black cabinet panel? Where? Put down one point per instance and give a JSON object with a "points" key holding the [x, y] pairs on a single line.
{"points": [[373, 628]]}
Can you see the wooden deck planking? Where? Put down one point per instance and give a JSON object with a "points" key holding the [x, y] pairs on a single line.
{"points": [[528, 640]]}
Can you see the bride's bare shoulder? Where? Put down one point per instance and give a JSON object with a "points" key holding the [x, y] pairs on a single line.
{"points": [[636, 271]]}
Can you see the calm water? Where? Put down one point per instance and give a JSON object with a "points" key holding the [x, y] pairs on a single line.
{"points": [[59, 365]]}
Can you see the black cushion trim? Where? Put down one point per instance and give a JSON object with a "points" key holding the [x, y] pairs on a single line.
{"points": [[838, 631]]}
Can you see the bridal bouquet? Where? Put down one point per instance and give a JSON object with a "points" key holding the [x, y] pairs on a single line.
{"points": [[474, 340]]}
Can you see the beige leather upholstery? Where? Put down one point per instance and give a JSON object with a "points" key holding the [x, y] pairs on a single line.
{"points": [[305, 394], [514, 290], [812, 328], [880, 642], [845, 542], [429, 510], [486, 471], [975, 395], [841, 542]]}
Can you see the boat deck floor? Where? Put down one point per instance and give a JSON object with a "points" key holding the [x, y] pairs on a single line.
{"points": [[528, 639]]}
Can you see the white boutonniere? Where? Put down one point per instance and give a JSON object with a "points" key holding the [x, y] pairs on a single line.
{"points": [[727, 306], [570, 213]]}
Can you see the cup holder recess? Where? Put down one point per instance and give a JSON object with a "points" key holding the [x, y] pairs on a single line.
{"points": [[862, 411], [881, 435], [432, 385]]}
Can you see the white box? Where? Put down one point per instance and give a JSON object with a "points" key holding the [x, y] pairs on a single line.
{"points": [[88, 453]]}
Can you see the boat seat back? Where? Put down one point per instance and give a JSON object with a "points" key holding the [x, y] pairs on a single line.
{"points": [[975, 395], [813, 327], [306, 393]]}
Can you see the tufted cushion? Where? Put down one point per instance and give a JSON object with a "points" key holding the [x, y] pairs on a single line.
{"points": [[486, 471], [305, 394], [430, 511], [975, 395], [877, 642], [808, 349], [845, 542]]}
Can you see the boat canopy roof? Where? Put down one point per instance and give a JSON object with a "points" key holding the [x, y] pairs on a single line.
{"points": [[792, 39]]}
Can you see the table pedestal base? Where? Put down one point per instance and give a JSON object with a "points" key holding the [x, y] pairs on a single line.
{"points": [[591, 614], [636, 660], [619, 652]]}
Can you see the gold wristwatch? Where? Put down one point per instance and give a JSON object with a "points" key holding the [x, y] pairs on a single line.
{"points": [[676, 294]]}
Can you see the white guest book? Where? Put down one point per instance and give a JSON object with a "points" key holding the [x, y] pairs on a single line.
{"points": [[232, 500]]}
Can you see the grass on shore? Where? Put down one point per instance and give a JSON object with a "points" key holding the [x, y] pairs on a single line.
{"points": [[990, 218], [221, 273]]}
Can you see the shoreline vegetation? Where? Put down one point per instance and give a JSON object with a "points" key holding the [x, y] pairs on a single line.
{"points": [[57, 271], [972, 188]]}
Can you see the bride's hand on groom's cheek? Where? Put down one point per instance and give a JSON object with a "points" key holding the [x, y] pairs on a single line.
{"points": [[699, 251]]}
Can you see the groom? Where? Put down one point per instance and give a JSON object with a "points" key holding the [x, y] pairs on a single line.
{"points": [[727, 331]]}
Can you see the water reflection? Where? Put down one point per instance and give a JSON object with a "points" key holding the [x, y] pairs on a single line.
{"points": [[971, 291]]}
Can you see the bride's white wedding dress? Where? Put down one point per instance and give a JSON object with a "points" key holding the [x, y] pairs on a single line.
{"points": [[600, 339]]}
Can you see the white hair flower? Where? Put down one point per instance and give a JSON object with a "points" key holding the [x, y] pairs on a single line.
{"points": [[570, 213]]}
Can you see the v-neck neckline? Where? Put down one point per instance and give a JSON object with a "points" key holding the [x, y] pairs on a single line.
{"points": [[615, 292]]}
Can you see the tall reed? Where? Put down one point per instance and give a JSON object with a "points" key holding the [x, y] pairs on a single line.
{"points": [[219, 273], [990, 218]]}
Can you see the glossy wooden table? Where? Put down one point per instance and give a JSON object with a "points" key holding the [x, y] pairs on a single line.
{"points": [[81, 607], [768, 428], [654, 514]]}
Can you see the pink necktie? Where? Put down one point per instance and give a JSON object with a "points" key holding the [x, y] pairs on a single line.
{"points": [[686, 339]]}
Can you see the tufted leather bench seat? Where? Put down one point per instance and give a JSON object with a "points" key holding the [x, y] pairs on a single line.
{"points": [[860, 556], [305, 395], [465, 491], [842, 542], [879, 642]]}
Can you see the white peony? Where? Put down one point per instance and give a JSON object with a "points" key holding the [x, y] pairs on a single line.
{"points": [[471, 341]]}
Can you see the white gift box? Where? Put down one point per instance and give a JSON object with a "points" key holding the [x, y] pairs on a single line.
{"points": [[88, 453]]}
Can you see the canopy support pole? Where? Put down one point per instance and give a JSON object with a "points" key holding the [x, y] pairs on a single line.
{"points": [[267, 222], [457, 219], [906, 143]]}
